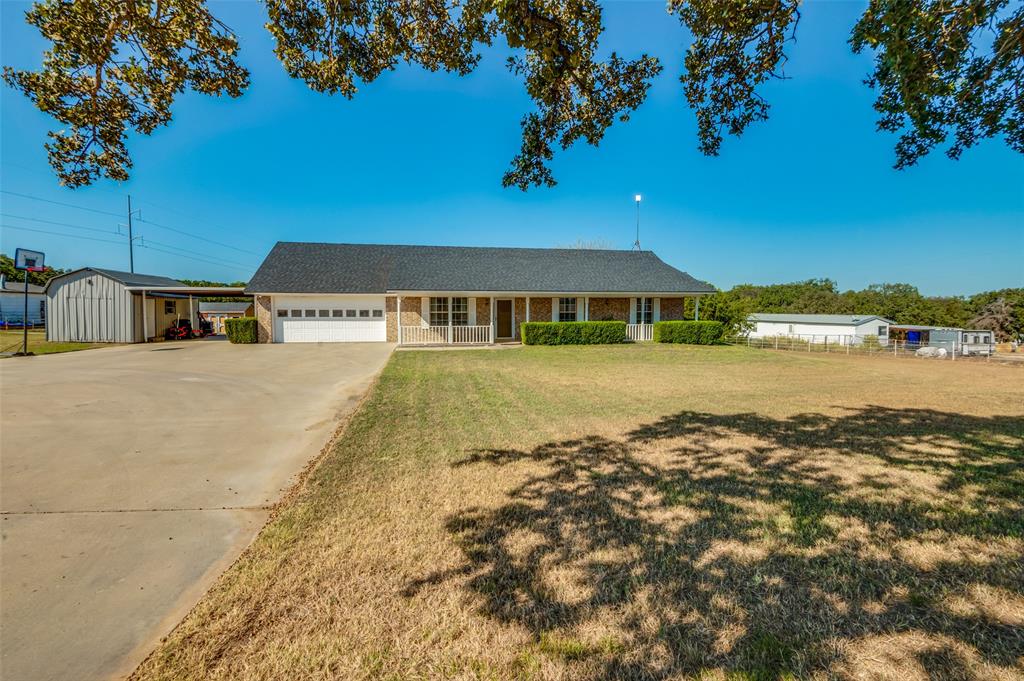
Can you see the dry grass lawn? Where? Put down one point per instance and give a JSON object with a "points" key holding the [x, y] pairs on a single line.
{"points": [[11, 341], [642, 512]]}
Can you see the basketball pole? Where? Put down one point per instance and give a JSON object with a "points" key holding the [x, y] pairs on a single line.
{"points": [[24, 320]]}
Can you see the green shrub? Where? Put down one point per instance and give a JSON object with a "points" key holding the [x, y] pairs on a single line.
{"points": [[241, 329], [690, 332], [573, 333]]}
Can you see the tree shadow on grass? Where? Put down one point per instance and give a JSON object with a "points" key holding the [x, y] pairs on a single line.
{"points": [[762, 547]]}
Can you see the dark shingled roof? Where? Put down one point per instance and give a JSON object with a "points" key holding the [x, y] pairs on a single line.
{"points": [[293, 267]]}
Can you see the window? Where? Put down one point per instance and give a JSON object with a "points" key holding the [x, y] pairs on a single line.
{"points": [[566, 309], [460, 311], [170, 307], [337, 313], [790, 328], [645, 310], [378, 313], [282, 313], [882, 331], [296, 313], [350, 313], [42, 310], [439, 312], [965, 338], [325, 313], [310, 313]]}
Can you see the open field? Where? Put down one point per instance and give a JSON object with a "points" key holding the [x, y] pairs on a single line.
{"points": [[11, 341], [641, 512]]}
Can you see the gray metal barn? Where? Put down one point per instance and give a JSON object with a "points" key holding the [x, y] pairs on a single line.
{"points": [[107, 306]]}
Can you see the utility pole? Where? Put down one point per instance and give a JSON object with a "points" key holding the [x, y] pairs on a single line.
{"points": [[636, 244], [131, 241]]}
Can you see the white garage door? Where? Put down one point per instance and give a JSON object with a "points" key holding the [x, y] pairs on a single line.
{"points": [[329, 319]]}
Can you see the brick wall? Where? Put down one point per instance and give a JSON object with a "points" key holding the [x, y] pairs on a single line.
{"points": [[411, 314], [672, 309], [518, 316], [605, 309], [264, 322], [540, 309], [483, 311]]}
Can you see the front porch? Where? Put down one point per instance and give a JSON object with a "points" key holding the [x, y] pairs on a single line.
{"points": [[468, 320]]}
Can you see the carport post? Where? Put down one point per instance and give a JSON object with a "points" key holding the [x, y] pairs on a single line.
{"points": [[144, 339], [191, 314]]}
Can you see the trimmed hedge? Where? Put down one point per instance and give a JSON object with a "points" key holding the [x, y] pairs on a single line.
{"points": [[690, 332], [241, 329], [573, 333]]}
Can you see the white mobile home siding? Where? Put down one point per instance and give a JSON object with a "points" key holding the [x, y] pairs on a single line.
{"points": [[833, 331], [89, 307], [12, 307]]}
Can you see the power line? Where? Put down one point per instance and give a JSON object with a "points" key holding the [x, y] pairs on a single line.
{"points": [[196, 236], [60, 203], [180, 255], [178, 248], [70, 236], [59, 224]]}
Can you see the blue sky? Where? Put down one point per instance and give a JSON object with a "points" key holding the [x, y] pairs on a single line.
{"points": [[417, 157]]}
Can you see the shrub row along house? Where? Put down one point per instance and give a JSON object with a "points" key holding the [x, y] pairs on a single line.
{"points": [[316, 292]]}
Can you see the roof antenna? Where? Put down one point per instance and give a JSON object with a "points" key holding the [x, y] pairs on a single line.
{"points": [[636, 244]]}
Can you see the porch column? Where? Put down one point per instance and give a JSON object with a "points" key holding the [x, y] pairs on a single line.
{"points": [[586, 308], [450, 318], [144, 339], [527, 308], [398, 314], [493, 322], [696, 309], [191, 313]]}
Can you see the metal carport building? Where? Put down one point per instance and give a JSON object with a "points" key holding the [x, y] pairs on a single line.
{"points": [[99, 305]]}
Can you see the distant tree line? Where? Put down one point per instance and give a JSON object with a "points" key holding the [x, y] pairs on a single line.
{"points": [[222, 299], [1001, 311]]}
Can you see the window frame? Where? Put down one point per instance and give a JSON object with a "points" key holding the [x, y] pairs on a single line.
{"points": [[438, 310], [280, 313], [460, 314], [644, 311], [564, 305]]}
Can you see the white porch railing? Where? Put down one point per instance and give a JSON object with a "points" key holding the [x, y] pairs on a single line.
{"points": [[640, 332], [444, 335]]}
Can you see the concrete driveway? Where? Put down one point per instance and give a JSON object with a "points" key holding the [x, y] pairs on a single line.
{"points": [[132, 476]]}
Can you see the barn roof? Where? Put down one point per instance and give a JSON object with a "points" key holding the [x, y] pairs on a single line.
{"points": [[126, 278]]}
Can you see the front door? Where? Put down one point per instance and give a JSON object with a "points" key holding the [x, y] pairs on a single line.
{"points": [[504, 318]]}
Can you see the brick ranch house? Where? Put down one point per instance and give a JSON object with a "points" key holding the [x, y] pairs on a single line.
{"points": [[417, 295]]}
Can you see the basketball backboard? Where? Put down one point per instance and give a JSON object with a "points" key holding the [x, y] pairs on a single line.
{"points": [[33, 261]]}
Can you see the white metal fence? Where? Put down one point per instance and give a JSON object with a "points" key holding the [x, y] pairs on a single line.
{"points": [[640, 332], [859, 345], [445, 335]]}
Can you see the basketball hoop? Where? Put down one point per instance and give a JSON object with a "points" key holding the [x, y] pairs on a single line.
{"points": [[29, 261]]}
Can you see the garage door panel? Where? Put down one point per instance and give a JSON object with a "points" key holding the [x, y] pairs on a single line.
{"points": [[342, 319]]}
